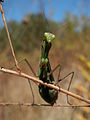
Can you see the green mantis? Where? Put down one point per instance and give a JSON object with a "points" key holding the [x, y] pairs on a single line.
{"points": [[48, 94], [45, 73]]}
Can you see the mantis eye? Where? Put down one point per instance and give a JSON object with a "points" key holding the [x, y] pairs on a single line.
{"points": [[49, 37]]}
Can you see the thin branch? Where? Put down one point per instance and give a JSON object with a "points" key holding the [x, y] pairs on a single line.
{"points": [[9, 39], [41, 82], [39, 105]]}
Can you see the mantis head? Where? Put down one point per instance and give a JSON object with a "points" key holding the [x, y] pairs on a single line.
{"points": [[49, 37]]}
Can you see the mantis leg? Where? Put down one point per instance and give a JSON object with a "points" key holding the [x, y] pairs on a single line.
{"points": [[72, 74], [31, 68], [29, 80], [26, 61], [31, 91], [58, 80], [52, 71]]}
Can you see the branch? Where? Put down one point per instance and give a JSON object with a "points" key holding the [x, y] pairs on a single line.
{"points": [[9, 38], [39, 105], [41, 82]]}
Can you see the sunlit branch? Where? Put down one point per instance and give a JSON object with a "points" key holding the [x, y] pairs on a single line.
{"points": [[9, 38], [41, 82], [38, 105]]}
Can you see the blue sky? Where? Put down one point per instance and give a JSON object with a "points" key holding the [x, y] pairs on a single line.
{"points": [[17, 9]]}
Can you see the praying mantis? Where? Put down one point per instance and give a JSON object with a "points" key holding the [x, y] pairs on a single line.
{"points": [[45, 73], [49, 95]]}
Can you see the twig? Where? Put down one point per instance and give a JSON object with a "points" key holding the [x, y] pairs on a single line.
{"points": [[48, 85], [9, 39], [39, 105]]}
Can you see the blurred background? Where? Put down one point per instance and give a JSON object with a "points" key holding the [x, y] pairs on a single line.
{"points": [[27, 21]]}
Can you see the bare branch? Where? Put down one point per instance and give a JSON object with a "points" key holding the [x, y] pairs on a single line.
{"points": [[41, 82], [9, 39], [39, 105]]}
